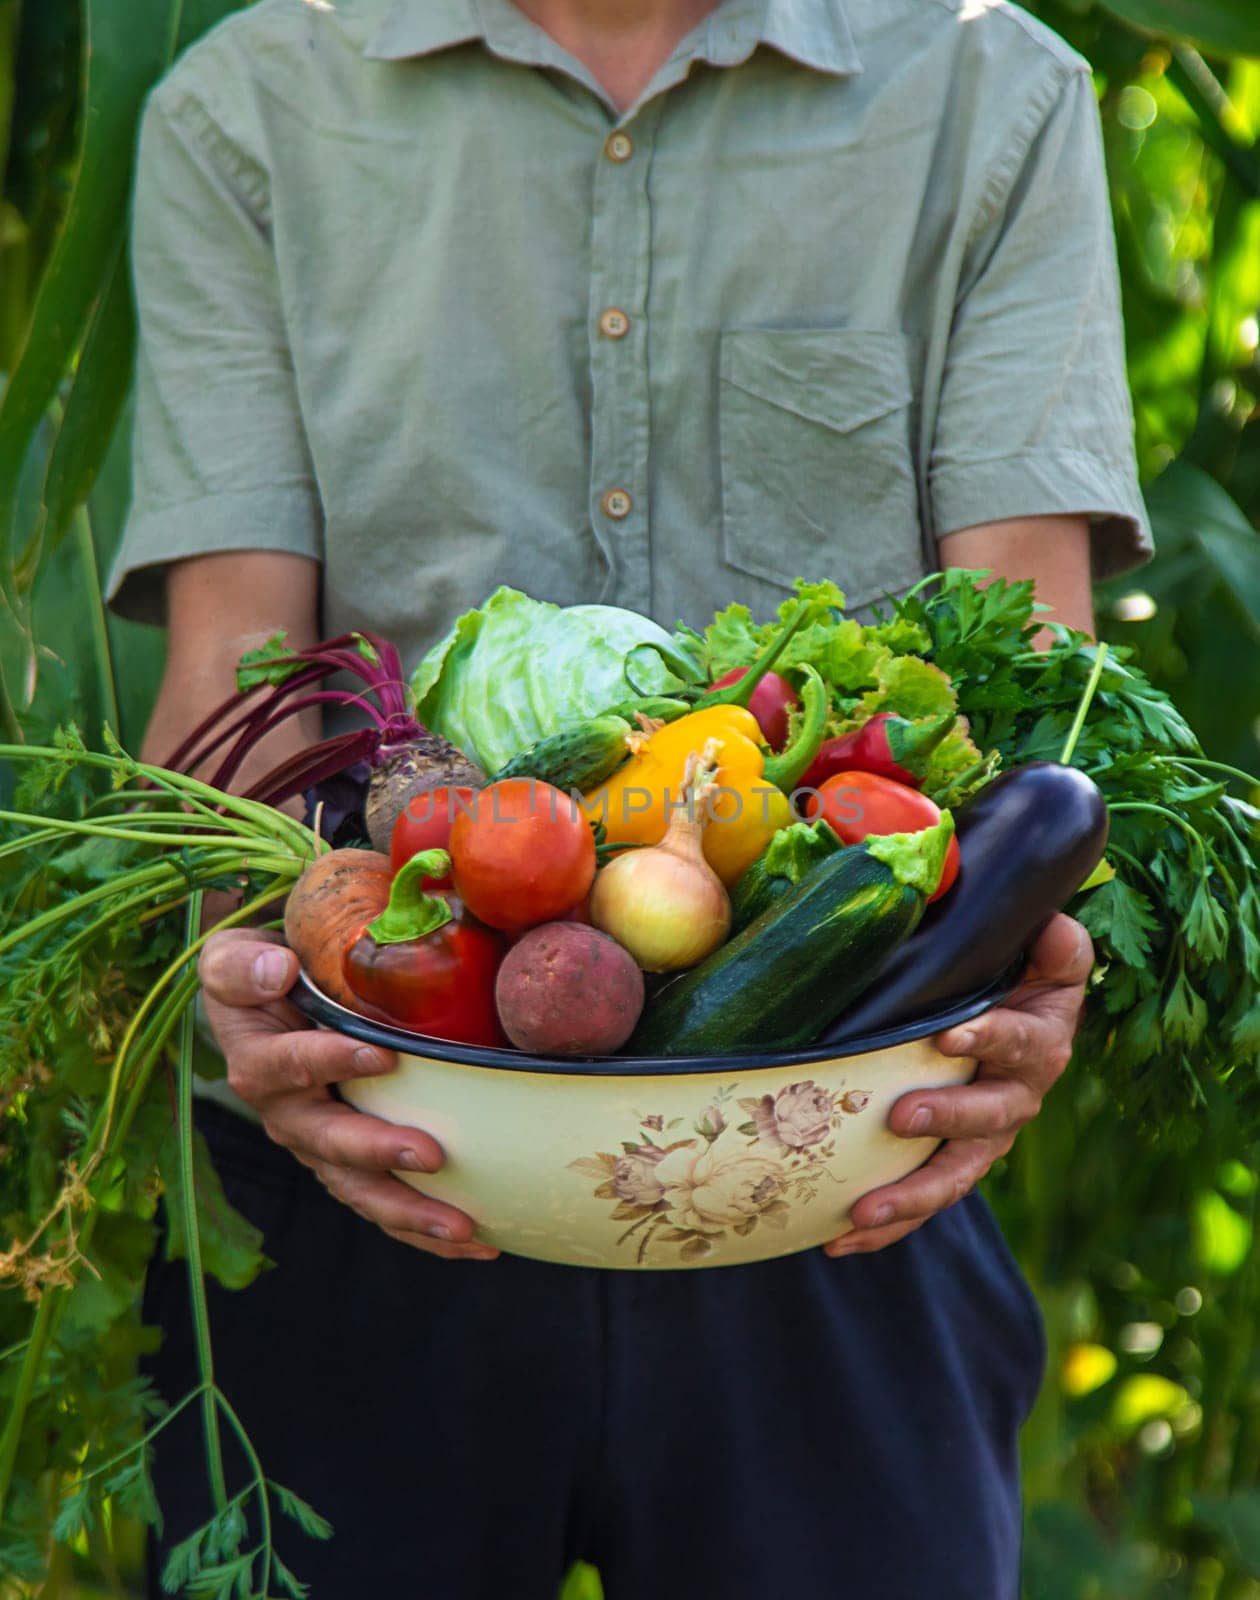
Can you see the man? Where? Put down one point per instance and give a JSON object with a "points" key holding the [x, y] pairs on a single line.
{"points": [[660, 304]]}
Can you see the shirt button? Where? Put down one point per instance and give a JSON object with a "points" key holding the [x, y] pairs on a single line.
{"points": [[616, 503], [619, 147], [614, 324]]}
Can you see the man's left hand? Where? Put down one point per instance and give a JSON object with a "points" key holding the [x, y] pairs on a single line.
{"points": [[1022, 1047]]}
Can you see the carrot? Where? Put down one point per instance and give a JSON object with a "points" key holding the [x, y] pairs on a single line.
{"points": [[327, 909]]}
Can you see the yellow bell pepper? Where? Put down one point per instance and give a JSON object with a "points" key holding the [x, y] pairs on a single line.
{"points": [[747, 805]]}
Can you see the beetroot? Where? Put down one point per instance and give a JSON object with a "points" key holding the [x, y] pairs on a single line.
{"points": [[567, 990]]}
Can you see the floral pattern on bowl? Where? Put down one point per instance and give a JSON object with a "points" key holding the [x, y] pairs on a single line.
{"points": [[681, 1195]]}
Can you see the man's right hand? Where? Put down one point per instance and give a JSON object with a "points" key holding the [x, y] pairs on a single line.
{"points": [[283, 1067]]}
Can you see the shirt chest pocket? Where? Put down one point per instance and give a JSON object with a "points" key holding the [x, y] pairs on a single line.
{"points": [[818, 472]]}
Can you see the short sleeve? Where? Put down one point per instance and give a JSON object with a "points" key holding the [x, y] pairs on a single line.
{"points": [[219, 454], [1035, 416]]}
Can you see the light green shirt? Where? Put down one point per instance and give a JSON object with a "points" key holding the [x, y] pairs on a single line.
{"points": [[416, 301]]}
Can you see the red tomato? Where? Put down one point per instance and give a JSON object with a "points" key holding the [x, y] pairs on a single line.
{"points": [[525, 854], [441, 984], [424, 823], [857, 803], [772, 702]]}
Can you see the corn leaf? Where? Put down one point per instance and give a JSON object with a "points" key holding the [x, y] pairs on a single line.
{"points": [[1185, 502], [95, 402], [1224, 27], [127, 47]]}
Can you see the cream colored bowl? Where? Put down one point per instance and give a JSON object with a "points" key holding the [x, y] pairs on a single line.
{"points": [[656, 1163]]}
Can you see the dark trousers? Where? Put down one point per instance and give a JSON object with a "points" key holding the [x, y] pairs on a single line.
{"points": [[802, 1427]]}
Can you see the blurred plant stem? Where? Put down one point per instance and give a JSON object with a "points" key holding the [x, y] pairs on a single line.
{"points": [[102, 656]]}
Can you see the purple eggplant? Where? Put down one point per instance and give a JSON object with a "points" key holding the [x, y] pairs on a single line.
{"points": [[1028, 840]]}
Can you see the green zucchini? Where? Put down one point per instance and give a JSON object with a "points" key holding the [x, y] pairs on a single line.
{"points": [[791, 854], [580, 757], [795, 967]]}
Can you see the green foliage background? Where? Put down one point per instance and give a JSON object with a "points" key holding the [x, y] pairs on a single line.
{"points": [[1142, 1459]]}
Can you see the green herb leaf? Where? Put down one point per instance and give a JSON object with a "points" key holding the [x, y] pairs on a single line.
{"points": [[75, 1515], [306, 1517], [263, 666], [292, 1585], [1185, 1015], [1206, 928], [367, 650], [1245, 1032], [1122, 915]]}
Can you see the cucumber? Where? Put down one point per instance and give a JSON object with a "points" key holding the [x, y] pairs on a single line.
{"points": [[795, 967], [580, 757]]}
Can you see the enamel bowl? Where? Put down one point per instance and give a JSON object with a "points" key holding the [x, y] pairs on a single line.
{"points": [[640, 1162]]}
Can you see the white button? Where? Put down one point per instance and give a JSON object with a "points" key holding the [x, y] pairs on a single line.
{"points": [[617, 503], [614, 323], [619, 147]]}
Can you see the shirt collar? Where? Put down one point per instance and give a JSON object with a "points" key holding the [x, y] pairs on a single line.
{"points": [[423, 27], [814, 32]]}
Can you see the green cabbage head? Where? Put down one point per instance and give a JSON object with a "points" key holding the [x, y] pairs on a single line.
{"points": [[516, 670]]}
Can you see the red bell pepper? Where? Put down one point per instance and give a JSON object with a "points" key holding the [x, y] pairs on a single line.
{"points": [[888, 745], [426, 963], [771, 703]]}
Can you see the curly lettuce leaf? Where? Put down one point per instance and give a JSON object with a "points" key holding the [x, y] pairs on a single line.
{"points": [[910, 688], [901, 635], [735, 639], [732, 639]]}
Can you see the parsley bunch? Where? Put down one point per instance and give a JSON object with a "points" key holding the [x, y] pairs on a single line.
{"points": [[1175, 997]]}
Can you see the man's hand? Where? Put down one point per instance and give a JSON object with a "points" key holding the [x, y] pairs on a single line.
{"points": [[1022, 1047], [283, 1067]]}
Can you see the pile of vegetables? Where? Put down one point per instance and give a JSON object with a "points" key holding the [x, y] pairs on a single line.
{"points": [[769, 834], [574, 833], [615, 843]]}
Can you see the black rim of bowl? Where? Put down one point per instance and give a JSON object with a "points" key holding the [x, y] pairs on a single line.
{"points": [[316, 1005]]}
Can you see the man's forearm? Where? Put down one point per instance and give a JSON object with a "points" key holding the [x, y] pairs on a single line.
{"points": [[220, 606], [1052, 551]]}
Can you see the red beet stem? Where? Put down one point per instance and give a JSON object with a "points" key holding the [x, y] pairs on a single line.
{"points": [[194, 751], [382, 677], [256, 731], [323, 760]]}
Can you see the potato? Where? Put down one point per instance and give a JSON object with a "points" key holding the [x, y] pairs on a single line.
{"points": [[567, 990]]}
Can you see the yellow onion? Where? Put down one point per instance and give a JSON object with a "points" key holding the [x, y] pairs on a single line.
{"points": [[666, 904]]}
